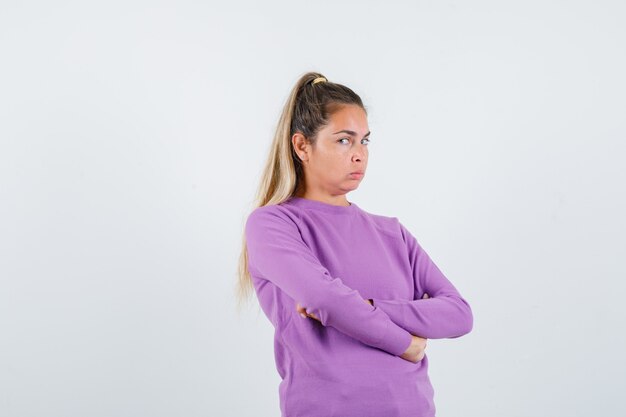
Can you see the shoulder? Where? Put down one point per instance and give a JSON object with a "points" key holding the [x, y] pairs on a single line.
{"points": [[271, 215]]}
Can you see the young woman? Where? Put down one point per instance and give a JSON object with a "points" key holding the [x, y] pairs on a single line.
{"points": [[352, 295]]}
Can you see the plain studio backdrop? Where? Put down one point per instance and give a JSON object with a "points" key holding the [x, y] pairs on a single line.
{"points": [[132, 138]]}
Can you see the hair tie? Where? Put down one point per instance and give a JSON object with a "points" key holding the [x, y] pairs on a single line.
{"points": [[319, 80]]}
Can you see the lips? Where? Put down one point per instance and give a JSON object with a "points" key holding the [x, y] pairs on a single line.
{"points": [[357, 172]]}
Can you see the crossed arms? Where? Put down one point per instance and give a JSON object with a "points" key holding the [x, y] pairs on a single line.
{"points": [[276, 250]]}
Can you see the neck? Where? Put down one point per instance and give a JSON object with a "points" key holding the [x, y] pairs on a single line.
{"points": [[336, 200]]}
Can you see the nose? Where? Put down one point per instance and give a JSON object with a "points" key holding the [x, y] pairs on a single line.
{"points": [[359, 153]]}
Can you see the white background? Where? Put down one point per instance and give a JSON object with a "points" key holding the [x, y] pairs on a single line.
{"points": [[132, 135]]}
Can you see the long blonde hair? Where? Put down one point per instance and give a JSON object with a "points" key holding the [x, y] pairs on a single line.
{"points": [[306, 110]]}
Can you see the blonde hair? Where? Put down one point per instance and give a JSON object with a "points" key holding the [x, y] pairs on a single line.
{"points": [[306, 111]]}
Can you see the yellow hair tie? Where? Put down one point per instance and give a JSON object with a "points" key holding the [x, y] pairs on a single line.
{"points": [[319, 80]]}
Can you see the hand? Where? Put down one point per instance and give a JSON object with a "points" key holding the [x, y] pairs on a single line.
{"points": [[303, 312], [417, 348]]}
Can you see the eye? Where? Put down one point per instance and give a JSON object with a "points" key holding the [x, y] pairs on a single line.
{"points": [[348, 139]]}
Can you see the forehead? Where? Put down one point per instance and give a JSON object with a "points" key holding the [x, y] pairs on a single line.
{"points": [[348, 117]]}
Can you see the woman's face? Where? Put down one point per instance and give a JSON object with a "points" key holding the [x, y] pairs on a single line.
{"points": [[340, 150]]}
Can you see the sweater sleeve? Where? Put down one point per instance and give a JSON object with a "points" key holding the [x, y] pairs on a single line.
{"points": [[444, 315], [277, 253]]}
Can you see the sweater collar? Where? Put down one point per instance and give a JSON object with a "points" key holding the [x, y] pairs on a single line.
{"points": [[322, 206]]}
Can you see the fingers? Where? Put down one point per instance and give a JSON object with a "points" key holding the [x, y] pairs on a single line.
{"points": [[426, 295], [301, 310]]}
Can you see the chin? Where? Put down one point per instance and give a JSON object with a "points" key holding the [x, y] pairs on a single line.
{"points": [[350, 188]]}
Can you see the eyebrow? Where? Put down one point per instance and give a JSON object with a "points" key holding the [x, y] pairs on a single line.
{"points": [[351, 133]]}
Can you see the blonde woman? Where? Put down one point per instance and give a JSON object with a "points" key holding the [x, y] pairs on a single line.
{"points": [[352, 295]]}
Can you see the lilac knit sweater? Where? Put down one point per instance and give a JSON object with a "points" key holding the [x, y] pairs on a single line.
{"points": [[329, 259]]}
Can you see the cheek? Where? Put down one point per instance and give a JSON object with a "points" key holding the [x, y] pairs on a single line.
{"points": [[331, 162], [332, 159], [330, 167]]}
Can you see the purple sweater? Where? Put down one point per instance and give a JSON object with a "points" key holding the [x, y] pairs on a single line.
{"points": [[330, 259]]}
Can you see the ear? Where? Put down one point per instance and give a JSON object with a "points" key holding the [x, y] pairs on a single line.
{"points": [[301, 146]]}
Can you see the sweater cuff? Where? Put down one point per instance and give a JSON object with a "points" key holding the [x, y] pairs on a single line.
{"points": [[393, 308], [395, 340]]}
